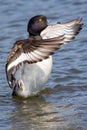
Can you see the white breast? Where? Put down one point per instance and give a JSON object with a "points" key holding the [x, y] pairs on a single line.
{"points": [[32, 77]]}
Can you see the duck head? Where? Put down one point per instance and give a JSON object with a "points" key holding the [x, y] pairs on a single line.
{"points": [[36, 24]]}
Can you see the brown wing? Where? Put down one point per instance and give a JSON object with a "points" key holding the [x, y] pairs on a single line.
{"points": [[32, 51]]}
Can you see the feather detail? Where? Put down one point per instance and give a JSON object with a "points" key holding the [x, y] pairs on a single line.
{"points": [[68, 29], [32, 51]]}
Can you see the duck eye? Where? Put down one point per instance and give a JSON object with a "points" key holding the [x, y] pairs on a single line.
{"points": [[40, 20]]}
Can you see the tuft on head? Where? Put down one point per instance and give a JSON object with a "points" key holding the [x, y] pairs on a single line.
{"points": [[36, 24]]}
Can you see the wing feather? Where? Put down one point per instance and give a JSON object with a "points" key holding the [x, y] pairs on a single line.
{"points": [[32, 51], [69, 29]]}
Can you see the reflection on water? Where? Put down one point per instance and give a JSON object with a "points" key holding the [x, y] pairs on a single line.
{"points": [[64, 105], [36, 113]]}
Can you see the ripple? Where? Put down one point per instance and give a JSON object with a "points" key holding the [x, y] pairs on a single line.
{"points": [[63, 105]]}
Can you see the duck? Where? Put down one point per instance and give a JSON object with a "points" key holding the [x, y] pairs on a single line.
{"points": [[29, 63]]}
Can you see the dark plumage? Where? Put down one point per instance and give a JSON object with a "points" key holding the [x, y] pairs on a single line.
{"points": [[29, 63], [36, 25]]}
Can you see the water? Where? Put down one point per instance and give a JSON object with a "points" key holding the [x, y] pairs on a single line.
{"points": [[63, 106]]}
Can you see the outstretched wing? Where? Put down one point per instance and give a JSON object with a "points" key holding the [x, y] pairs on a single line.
{"points": [[69, 29], [32, 51]]}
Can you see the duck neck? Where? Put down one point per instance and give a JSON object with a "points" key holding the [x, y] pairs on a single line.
{"points": [[37, 37]]}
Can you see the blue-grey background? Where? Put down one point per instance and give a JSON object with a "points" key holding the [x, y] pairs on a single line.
{"points": [[64, 106]]}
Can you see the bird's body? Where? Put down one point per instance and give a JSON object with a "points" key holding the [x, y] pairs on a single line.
{"points": [[29, 63], [32, 77]]}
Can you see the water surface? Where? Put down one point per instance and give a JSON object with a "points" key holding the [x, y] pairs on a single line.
{"points": [[63, 106]]}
